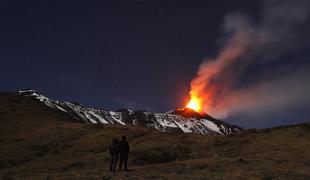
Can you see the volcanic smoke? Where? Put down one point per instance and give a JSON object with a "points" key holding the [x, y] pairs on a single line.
{"points": [[232, 83]]}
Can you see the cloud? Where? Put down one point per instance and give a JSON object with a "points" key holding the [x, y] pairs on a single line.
{"points": [[259, 68]]}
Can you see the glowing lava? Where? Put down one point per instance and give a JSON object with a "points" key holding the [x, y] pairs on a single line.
{"points": [[194, 104]]}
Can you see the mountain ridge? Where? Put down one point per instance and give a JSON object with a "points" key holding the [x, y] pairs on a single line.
{"points": [[185, 120]]}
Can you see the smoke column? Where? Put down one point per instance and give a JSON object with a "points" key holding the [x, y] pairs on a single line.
{"points": [[253, 71]]}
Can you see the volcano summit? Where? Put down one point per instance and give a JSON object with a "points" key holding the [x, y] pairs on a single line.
{"points": [[185, 120]]}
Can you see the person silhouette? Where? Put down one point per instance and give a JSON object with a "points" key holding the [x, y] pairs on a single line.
{"points": [[123, 151], [114, 151]]}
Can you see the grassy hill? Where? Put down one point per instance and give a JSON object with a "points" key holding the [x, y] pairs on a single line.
{"points": [[39, 143]]}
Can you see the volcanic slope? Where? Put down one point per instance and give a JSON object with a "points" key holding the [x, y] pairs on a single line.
{"points": [[185, 120], [37, 142]]}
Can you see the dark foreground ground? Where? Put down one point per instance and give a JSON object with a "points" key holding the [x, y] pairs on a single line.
{"points": [[37, 143]]}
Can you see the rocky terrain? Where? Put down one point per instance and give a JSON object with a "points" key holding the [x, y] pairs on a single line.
{"points": [[39, 142], [183, 119]]}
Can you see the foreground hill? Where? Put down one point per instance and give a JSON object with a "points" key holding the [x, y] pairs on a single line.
{"points": [[37, 142]]}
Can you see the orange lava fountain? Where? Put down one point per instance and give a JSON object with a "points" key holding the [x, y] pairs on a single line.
{"points": [[195, 104]]}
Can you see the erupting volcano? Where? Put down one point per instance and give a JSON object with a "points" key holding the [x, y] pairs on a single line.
{"points": [[186, 120], [194, 104]]}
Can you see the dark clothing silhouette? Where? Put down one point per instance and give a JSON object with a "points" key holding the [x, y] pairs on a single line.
{"points": [[114, 151], [123, 151]]}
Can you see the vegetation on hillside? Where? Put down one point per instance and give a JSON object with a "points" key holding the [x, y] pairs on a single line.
{"points": [[38, 143]]}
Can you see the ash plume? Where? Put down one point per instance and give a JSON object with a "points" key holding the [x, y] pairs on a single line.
{"points": [[259, 68]]}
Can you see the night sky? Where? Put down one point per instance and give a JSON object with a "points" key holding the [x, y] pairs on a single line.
{"points": [[115, 54]]}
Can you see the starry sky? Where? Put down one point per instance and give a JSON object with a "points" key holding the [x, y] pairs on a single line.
{"points": [[115, 54]]}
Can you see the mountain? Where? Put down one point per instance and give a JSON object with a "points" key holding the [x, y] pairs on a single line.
{"points": [[185, 120], [40, 142]]}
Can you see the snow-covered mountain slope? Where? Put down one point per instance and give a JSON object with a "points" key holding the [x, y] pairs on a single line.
{"points": [[185, 120]]}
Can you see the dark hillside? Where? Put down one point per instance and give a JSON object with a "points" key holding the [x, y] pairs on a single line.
{"points": [[38, 143]]}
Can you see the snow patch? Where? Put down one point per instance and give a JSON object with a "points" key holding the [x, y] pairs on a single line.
{"points": [[99, 117], [211, 125], [117, 117]]}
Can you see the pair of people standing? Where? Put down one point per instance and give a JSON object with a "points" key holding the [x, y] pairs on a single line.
{"points": [[119, 149]]}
